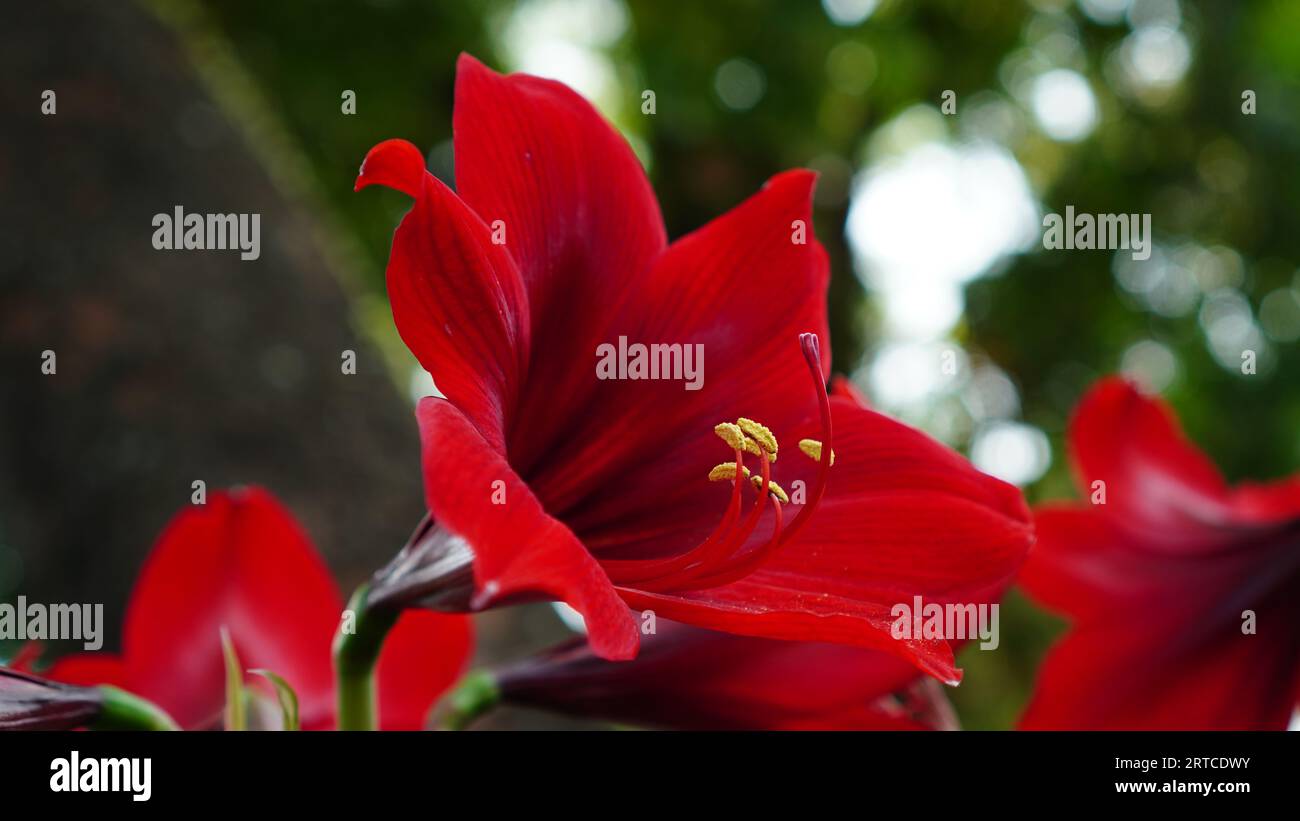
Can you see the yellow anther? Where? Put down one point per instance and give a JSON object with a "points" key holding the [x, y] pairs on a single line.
{"points": [[776, 489], [759, 434], [813, 450], [725, 472], [735, 437]]}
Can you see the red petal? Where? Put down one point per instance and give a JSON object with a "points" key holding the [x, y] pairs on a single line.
{"points": [[239, 561], [1152, 474], [457, 298], [1140, 673], [687, 678], [393, 163], [422, 656], [1068, 568], [1159, 641], [25, 658], [841, 386], [520, 552], [90, 669], [903, 516], [742, 289], [1087, 562], [581, 222], [1268, 501]]}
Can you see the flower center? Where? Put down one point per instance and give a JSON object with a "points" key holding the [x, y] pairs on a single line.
{"points": [[723, 558]]}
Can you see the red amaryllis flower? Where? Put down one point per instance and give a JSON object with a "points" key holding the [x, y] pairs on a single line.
{"points": [[565, 485], [688, 678], [241, 562], [1158, 579]]}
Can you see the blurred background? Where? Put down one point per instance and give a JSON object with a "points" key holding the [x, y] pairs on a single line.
{"points": [[181, 367]]}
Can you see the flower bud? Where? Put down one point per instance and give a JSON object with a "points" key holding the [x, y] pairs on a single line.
{"points": [[435, 570], [28, 702]]}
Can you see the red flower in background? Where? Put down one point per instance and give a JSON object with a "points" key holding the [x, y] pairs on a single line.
{"points": [[688, 678], [1158, 578], [565, 486], [241, 562]]}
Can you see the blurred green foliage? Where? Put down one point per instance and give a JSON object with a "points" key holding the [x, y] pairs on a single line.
{"points": [[1211, 176], [1057, 321]]}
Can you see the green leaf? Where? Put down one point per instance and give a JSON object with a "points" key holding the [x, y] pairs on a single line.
{"points": [[474, 696], [123, 711], [236, 717], [288, 698]]}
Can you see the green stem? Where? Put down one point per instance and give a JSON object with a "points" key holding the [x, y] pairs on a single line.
{"points": [[356, 652], [123, 711], [476, 695]]}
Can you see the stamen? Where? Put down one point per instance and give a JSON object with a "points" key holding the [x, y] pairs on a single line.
{"points": [[813, 450], [625, 571], [760, 434], [721, 558], [736, 438], [776, 489], [747, 562], [711, 560], [725, 472], [750, 561]]}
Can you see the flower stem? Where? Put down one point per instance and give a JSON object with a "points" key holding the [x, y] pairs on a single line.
{"points": [[356, 651], [476, 695], [123, 711]]}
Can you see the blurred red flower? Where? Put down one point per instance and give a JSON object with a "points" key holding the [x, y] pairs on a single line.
{"points": [[240, 561], [1156, 573], [592, 491], [688, 678]]}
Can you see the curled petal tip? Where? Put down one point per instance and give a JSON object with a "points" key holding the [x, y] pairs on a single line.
{"points": [[467, 62], [798, 182], [395, 163]]}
